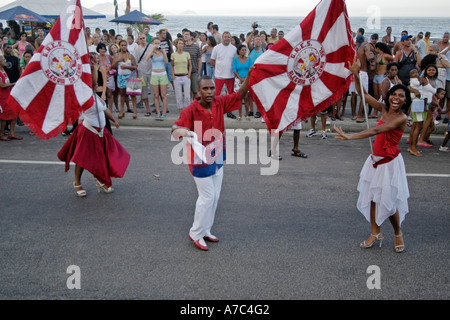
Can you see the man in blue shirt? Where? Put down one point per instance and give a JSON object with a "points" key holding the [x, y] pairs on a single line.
{"points": [[256, 50]]}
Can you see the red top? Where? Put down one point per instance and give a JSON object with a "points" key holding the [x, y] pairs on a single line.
{"points": [[4, 92], [209, 126], [386, 143], [6, 112]]}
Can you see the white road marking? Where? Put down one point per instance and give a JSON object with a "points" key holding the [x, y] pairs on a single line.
{"points": [[33, 162], [436, 175]]}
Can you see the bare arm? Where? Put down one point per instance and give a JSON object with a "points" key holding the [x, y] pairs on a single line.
{"points": [[398, 56], [369, 54], [189, 68], [172, 66], [444, 63], [110, 116], [115, 62], [6, 85], [249, 40], [150, 54], [105, 76], [244, 87], [418, 57], [369, 99], [397, 122]]}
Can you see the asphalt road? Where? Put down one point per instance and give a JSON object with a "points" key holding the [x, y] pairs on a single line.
{"points": [[290, 236]]}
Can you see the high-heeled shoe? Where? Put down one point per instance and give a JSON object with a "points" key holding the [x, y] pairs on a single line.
{"points": [[101, 186], [81, 193], [401, 247], [135, 116], [121, 115], [378, 237]]}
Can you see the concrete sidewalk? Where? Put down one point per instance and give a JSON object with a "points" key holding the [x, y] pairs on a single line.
{"points": [[347, 124]]}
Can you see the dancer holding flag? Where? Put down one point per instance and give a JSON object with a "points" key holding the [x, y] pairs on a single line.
{"points": [[383, 188], [93, 148], [59, 85]]}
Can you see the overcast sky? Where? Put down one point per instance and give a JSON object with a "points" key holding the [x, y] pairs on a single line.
{"points": [[397, 8], [417, 8]]}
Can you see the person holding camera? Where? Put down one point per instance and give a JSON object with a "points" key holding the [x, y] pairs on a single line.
{"points": [[255, 47], [159, 79]]}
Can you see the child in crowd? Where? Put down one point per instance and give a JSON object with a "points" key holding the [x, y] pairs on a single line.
{"points": [[418, 112], [323, 117], [433, 111], [443, 146]]}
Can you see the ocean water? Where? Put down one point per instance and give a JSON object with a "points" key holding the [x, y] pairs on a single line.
{"points": [[238, 24]]}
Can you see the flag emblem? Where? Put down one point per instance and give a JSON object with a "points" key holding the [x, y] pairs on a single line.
{"points": [[61, 62], [306, 62]]}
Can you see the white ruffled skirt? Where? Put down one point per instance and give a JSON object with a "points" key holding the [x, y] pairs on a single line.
{"points": [[386, 186]]}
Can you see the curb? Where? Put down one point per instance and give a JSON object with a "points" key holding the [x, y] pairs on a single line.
{"points": [[347, 124]]}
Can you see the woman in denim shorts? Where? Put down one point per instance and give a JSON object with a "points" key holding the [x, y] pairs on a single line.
{"points": [[159, 79]]}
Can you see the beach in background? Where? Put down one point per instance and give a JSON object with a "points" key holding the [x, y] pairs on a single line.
{"points": [[238, 24]]}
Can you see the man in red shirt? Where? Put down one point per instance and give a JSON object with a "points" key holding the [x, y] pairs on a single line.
{"points": [[203, 123]]}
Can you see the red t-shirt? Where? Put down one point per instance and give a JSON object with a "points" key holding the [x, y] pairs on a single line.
{"points": [[209, 127]]}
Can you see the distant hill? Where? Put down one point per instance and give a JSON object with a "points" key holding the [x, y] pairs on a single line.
{"points": [[188, 13], [107, 8]]}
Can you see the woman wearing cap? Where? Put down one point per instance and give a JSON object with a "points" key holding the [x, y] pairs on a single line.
{"points": [[408, 58], [383, 188]]}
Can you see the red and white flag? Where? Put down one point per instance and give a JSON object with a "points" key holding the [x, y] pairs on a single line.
{"points": [[306, 71], [56, 86]]}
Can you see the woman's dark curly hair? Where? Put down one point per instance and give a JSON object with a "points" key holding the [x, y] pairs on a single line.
{"points": [[408, 101], [383, 47]]}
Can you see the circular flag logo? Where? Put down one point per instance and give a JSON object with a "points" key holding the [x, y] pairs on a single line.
{"points": [[306, 62], [61, 62]]}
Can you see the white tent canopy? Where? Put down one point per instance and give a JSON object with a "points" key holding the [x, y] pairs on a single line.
{"points": [[49, 8]]}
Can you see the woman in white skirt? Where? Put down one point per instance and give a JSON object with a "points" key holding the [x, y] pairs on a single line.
{"points": [[383, 188]]}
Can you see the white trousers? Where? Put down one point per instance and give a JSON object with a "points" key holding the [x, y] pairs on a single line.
{"points": [[205, 209], [182, 85]]}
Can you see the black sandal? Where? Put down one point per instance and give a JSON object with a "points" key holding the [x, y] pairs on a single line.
{"points": [[298, 153]]}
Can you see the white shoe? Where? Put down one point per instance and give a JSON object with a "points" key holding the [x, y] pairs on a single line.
{"points": [[311, 133], [81, 193], [211, 238], [200, 243], [101, 186]]}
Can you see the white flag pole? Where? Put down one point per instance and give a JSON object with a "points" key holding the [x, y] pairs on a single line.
{"points": [[363, 99]]}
